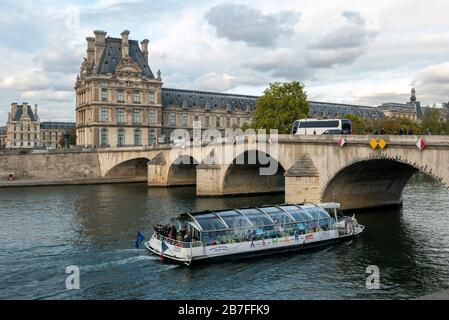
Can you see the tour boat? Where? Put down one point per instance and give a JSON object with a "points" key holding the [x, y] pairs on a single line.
{"points": [[251, 231]]}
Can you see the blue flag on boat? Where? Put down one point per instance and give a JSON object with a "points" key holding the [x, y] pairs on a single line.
{"points": [[140, 237]]}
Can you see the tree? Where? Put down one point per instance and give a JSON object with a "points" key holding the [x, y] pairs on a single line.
{"points": [[432, 122], [72, 137], [279, 106], [359, 125]]}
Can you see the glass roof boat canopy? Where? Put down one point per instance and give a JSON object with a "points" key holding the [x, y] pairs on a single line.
{"points": [[223, 220]]}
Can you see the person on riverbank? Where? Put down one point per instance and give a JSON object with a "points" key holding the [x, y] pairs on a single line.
{"points": [[11, 178]]}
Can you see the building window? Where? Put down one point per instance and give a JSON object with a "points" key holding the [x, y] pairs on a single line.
{"points": [[136, 116], [136, 97], [228, 122], [152, 96], [238, 122], [137, 138], [120, 96], [206, 121], [152, 116], [196, 119], [104, 137], [120, 115], [173, 119], [184, 119], [104, 94], [121, 137], [104, 114], [151, 138], [217, 121]]}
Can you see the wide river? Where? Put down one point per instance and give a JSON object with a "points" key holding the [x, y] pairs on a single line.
{"points": [[45, 229]]}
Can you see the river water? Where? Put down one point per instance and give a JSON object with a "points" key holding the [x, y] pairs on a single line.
{"points": [[45, 229]]}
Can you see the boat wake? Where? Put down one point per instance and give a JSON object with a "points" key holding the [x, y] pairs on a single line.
{"points": [[104, 265]]}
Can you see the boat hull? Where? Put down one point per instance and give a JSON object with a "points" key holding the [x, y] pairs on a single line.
{"points": [[232, 256]]}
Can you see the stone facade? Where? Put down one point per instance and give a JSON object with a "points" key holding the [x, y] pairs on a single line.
{"points": [[118, 99], [411, 110], [25, 131], [119, 102], [23, 127], [2, 137], [56, 134]]}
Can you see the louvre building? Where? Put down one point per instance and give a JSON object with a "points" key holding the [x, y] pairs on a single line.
{"points": [[121, 102]]}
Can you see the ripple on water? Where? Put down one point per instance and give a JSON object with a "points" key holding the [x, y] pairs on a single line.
{"points": [[43, 230]]}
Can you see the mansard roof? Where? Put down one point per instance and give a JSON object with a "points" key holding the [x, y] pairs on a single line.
{"points": [[57, 125], [113, 54], [18, 114], [333, 109], [191, 99], [2, 129]]}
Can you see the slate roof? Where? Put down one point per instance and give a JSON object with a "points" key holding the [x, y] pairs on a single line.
{"points": [[328, 109], [112, 55], [3, 130], [214, 100], [192, 99], [57, 125], [18, 114]]}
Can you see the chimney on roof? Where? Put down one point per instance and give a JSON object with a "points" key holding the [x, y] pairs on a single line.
{"points": [[144, 44], [125, 43], [90, 50], [35, 110], [13, 108], [100, 45]]}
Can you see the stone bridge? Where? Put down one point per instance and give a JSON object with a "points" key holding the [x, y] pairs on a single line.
{"points": [[308, 168]]}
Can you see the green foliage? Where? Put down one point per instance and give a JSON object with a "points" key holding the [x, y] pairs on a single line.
{"points": [[433, 122], [279, 106], [72, 137]]}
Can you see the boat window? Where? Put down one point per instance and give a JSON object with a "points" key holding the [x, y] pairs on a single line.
{"points": [[234, 219], [210, 221], [317, 213], [256, 217], [297, 213], [277, 215]]}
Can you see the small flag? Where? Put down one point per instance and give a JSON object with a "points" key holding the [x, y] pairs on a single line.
{"points": [[163, 248], [421, 144], [341, 142], [140, 237]]}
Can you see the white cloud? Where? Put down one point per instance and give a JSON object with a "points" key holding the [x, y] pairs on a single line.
{"points": [[238, 22], [351, 51], [215, 82], [48, 95], [26, 80]]}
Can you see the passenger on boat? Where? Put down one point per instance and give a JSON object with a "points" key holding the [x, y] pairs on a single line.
{"points": [[180, 237], [188, 237]]}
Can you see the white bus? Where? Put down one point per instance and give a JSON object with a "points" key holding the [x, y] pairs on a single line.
{"points": [[326, 126]]}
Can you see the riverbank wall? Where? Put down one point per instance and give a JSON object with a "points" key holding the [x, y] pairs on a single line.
{"points": [[50, 167]]}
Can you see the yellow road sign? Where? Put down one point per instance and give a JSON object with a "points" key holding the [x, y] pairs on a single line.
{"points": [[373, 143]]}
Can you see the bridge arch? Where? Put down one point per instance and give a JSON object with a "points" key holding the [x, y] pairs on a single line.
{"points": [[250, 173], [131, 168], [371, 182], [182, 171]]}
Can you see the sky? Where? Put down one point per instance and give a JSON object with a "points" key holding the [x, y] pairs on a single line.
{"points": [[346, 51]]}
